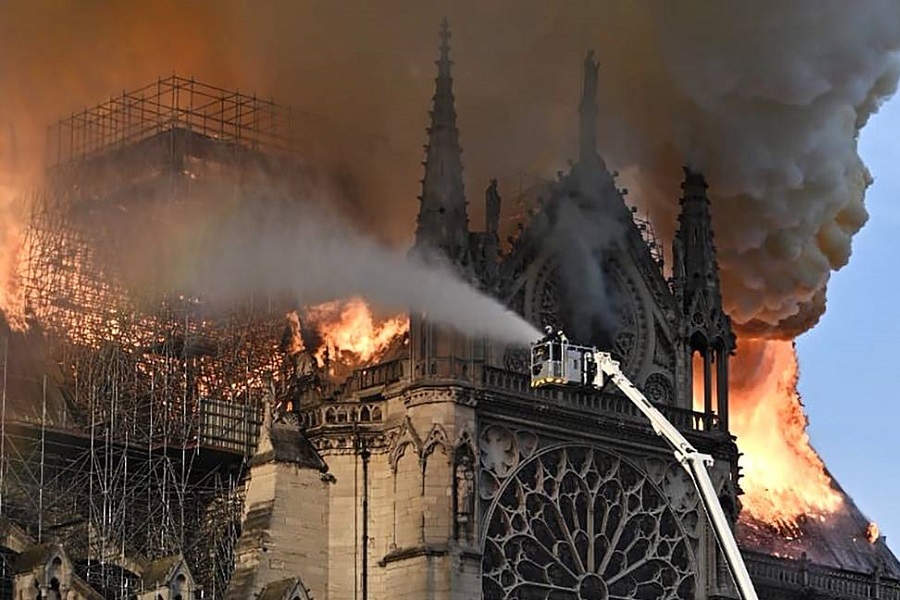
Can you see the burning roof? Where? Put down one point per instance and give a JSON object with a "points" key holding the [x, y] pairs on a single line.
{"points": [[845, 540]]}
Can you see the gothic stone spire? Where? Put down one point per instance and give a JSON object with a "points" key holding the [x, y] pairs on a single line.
{"points": [[697, 271], [443, 221], [707, 329]]}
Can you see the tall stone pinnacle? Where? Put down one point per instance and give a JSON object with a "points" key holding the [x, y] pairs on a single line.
{"points": [[443, 221], [696, 271], [695, 238]]}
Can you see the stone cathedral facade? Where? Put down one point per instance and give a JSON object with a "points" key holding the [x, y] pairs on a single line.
{"points": [[448, 477], [439, 473]]}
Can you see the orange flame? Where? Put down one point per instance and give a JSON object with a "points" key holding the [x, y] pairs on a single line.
{"points": [[784, 478], [350, 332], [872, 532]]}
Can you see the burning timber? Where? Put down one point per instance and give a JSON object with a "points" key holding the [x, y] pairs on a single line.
{"points": [[155, 446]]}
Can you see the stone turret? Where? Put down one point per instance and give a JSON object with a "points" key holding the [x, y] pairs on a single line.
{"points": [[708, 331], [285, 515]]}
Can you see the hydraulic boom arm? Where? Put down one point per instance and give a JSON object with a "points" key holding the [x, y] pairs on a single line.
{"points": [[694, 462]]}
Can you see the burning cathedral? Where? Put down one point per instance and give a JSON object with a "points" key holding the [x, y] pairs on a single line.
{"points": [[153, 448]]}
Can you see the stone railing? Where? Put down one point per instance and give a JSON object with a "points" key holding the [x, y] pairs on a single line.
{"points": [[339, 409], [519, 384], [380, 374], [803, 576]]}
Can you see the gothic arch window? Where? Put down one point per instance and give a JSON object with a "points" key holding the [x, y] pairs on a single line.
{"points": [[179, 587], [579, 523]]}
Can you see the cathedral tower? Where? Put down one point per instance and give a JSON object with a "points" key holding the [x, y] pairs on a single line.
{"points": [[708, 340]]}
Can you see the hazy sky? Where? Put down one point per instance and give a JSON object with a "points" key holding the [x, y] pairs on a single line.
{"points": [[850, 361]]}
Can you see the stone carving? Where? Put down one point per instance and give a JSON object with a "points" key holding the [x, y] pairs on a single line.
{"points": [[499, 451], [629, 343], [437, 438], [582, 523], [464, 495], [665, 354], [404, 437], [659, 389], [590, 77], [680, 493]]}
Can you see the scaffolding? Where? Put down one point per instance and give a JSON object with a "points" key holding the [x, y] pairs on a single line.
{"points": [[149, 402], [171, 104]]}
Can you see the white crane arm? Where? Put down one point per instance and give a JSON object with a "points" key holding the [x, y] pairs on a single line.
{"points": [[695, 463]]}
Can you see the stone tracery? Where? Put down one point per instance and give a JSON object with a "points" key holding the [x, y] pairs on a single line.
{"points": [[578, 522]]}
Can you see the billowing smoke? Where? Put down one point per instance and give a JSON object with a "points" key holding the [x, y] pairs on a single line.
{"points": [[312, 256], [579, 225], [765, 98]]}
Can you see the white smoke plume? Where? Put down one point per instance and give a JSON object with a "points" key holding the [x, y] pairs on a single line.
{"points": [[314, 256]]}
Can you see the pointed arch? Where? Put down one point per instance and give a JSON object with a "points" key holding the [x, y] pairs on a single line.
{"points": [[465, 438], [437, 438], [406, 436]]}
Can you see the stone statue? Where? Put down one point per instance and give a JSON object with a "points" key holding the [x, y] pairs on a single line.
{"points": [[464, 474]]}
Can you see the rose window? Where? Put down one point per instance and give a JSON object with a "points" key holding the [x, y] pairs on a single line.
{"points": [[579, 523]]}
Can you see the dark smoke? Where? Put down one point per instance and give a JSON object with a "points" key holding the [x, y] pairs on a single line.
{"points": [[579, 225], [765, 97]]}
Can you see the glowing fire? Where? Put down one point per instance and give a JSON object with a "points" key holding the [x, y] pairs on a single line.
{"points": [[350, 332], [783, 478], [872, 532]]}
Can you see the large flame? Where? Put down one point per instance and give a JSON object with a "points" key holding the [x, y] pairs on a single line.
{"points": [[350, 332], [784, 478]]}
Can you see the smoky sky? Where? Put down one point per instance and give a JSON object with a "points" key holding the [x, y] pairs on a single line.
{"points": [[766, 98]]}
